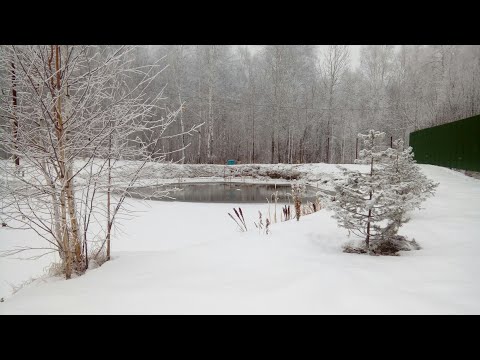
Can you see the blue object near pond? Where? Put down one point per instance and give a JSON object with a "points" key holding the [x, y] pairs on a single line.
{"points": [[231, 162]]}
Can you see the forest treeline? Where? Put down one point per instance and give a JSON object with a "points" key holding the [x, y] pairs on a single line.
{"points": [[300, 103], [306, 103]]}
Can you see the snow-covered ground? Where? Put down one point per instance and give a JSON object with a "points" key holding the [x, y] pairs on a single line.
{"points": [[186, 258]]}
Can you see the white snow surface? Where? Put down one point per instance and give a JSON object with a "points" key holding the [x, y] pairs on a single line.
{"points": [[190, 258]]}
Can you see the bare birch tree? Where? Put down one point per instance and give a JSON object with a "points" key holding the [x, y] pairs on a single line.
{"points": [[85, 133]]}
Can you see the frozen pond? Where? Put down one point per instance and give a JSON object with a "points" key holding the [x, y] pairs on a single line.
{"points": [[226, 192]]}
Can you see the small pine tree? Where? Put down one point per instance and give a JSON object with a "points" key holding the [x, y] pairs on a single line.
{"points": [[361, 202], [373, 205]]}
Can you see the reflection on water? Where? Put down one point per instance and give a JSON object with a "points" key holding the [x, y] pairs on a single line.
{"points": [[226, 192]]}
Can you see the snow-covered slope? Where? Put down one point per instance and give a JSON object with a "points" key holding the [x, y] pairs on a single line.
{"points": [[187, 258]]}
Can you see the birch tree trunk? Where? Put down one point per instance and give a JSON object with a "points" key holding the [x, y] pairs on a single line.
{"points": [[15, 119]]}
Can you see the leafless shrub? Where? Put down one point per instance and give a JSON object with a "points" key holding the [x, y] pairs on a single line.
{"points": [[311, 207], [297, 193], [286, 213], [241, 221], [259, 225], [55, 269]]}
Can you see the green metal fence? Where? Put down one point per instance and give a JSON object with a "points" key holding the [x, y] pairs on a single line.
{"points": [[454, 145]]}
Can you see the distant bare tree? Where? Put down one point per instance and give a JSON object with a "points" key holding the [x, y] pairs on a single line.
{"points": [[335, 61]]}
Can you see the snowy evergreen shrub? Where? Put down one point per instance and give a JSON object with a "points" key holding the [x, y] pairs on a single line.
{"points": [[373, 205], [403, 171]]}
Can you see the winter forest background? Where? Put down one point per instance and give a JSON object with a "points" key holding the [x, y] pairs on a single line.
{"points": [[306, 103], [282, 103]]}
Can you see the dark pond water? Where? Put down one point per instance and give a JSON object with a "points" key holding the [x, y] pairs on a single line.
{"points": [[225, 192]]}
